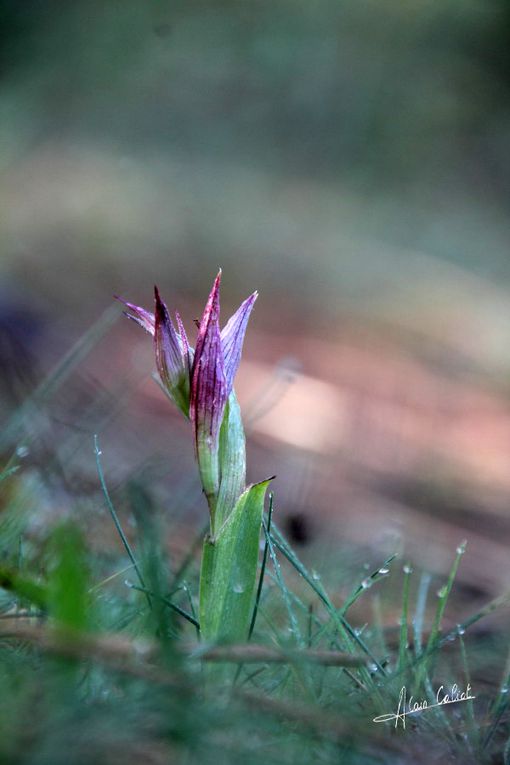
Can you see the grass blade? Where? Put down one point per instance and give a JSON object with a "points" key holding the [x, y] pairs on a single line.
{"points": [[366, 584], [115, 518], [443, 595], [348, 633], [404, 638], [262, 569], [178, 610], [59, 375]]}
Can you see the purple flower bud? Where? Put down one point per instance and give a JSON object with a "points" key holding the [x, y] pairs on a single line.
{"points": [[208, 394], [172, 357], [200, 382]]}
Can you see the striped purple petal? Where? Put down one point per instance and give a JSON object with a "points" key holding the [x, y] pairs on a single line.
{"points": [[208, 393], [186, 348], [171, 360], [142, 317], [232, 338], [208, 385]]}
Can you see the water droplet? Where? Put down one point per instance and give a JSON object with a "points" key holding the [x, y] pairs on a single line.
{"points": [[22, 451], [461, 549], [451, 637], [407, 569], [366, 583], [383, 571], [141, 647], [460, 629], [373, 667], [315, 576], [504, 689], [442, 592], [238, 588]]}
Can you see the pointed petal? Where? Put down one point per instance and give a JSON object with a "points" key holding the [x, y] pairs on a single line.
{"points": [[170, 360], [142, 317], [167, 345], [208, 393], [182, 334], [187, 351], [232, 337]]}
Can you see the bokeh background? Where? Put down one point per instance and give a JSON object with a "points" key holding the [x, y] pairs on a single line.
{"points": [[351, 161]]}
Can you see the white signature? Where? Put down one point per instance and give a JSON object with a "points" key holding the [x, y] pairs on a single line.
{"points": [[404, 709]]}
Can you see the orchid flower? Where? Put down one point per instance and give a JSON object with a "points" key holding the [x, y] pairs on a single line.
{"points": [[200, 382]]}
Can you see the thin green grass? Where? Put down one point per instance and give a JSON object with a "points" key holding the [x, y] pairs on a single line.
{"points": [[25, 416], [258, 594], [115, 518], [376, 576], [404, 619], [427, 665], [74, 638]]}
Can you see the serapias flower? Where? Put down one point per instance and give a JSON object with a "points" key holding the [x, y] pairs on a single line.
{"points": [[199, 381]]}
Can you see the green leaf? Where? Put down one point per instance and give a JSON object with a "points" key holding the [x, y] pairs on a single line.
{"points": [[67, 581], [232, 460], [229, 570], [23, 587]]}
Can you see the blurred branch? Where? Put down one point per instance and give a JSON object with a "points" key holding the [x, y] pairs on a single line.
{"points": [[115, 648]]}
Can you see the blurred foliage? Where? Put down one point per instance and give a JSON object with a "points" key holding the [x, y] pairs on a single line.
{"points": [[106, 675], [316, 140], [379, 90]]}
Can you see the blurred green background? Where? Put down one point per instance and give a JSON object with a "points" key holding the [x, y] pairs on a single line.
{"points": [[351, 161], [336, 148]]}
